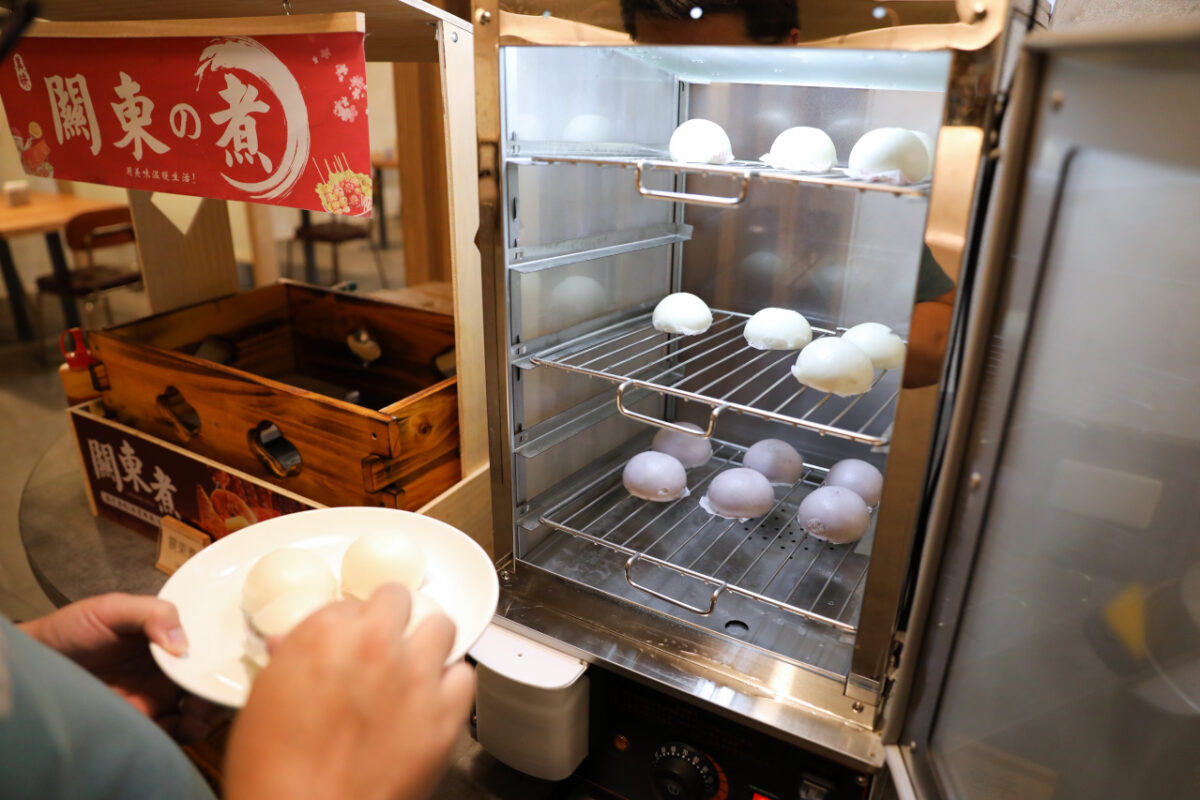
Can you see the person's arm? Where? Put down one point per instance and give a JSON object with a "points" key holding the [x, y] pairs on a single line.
{"points": [[108, 636], [928, 334], [350, 708]]}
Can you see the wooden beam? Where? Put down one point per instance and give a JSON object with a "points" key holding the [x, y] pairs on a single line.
{"points": [[421, 151], [396, 31], [344, 22], [264, 257], [180, 268], [461, 210]]}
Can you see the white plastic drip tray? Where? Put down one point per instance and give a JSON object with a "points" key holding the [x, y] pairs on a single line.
{"points": [[525, 661]]}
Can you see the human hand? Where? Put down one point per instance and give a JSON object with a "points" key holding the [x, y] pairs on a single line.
{"points": [[928, 336], [348, 707], [107, 635]]}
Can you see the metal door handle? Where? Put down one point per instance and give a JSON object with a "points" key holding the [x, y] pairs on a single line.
{"points": [[662, 423], [688, 197], [712, 601]]}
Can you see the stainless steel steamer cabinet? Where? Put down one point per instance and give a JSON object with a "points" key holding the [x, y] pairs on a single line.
{"points": [[752, 659]]}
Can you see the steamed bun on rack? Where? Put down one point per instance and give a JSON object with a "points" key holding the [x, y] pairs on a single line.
{"points": [[832, 364], [655, 476], [890, 155], [859, 477], [835, 514], [884, 348], [588, 128], [701, 141], [777, 460], [682, 312], [802, 149], [739, 493], [926, 140], [691, 451], [777, 329]]}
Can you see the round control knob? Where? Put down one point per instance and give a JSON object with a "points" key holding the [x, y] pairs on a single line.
{"points": [[683, 773]]}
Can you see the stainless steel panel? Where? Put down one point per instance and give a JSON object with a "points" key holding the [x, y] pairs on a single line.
{"points": [[544, 468], [551, 197], [758, 689], [563, 297], [1063, 641], [586, 95]]}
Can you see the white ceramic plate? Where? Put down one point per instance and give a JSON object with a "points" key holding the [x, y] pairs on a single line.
{"points": [[207, 589]]}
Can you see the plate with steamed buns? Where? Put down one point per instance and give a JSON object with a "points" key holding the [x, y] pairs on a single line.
{"points": [[267, 578]]}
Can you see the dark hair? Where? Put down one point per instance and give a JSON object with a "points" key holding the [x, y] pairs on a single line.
{"points": [[767, 21]]}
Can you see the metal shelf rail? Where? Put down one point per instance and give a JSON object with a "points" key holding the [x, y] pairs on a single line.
{"points": [[743, 172], [769, 559], [718, 369]]}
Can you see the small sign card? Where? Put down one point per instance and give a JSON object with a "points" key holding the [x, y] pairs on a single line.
{"points": [[268, 110], [177, 542]]}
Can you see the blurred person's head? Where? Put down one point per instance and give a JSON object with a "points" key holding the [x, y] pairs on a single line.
{"points": [[712, 21]]}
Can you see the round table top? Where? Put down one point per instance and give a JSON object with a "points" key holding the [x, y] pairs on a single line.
{"points": [[74, 554]]}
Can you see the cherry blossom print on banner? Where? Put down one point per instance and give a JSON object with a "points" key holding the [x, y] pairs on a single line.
{"points": [[279, 119]]}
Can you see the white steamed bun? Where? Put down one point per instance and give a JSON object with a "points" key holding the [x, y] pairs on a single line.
{"points": [[884, 348], [926, 140], [894, 155], [701, 141], [288, 569], [777, 329], [381, 557], [277, 618], [832, 364], [422, 606], [803, 149], [682, 312], [588, 128]]}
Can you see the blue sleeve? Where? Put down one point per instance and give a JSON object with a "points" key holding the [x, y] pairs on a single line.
{"points": [[63, 734]]}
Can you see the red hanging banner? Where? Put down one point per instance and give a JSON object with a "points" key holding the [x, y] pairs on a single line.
{"points": [[278, 119]]}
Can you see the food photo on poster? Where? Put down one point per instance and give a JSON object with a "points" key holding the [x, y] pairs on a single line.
{"points": [[278, 119]]}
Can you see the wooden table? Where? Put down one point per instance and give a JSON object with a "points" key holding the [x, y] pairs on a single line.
{"points": [[46, 214]]}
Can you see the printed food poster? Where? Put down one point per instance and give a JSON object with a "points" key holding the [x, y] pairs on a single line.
{"points": [[278, 119], [135, 482]]}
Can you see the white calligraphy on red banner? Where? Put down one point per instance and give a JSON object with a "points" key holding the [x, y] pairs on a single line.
{"points": [[233, 117]]}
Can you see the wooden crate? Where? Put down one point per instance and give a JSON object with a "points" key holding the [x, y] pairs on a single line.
{"points": [[284, 366]]}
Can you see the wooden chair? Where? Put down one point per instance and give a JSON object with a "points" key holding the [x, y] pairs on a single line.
{"points": [[86, 233], [335, 233]]}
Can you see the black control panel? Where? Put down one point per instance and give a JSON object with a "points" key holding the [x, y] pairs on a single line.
{"points": [[646, 745]]}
